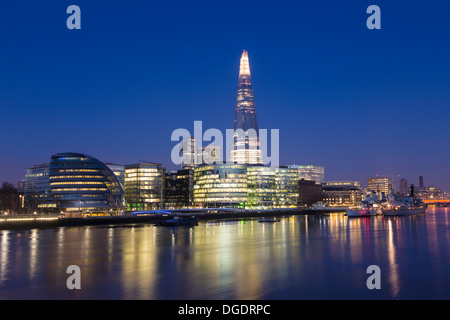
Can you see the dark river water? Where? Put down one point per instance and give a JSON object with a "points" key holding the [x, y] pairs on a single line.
{"points": [[299, 257]]}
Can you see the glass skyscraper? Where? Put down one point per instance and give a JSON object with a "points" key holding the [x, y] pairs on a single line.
{"points": [[246, 148]]}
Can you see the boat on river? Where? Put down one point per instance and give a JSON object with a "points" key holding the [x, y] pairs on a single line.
{"points": [[268, 220], [404, 206], [369, 207], [180, 221]]}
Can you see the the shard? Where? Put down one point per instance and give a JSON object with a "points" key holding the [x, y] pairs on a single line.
{"points": [[246, 148]]}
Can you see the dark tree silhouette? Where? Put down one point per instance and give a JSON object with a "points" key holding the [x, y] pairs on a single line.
{"points": [[9, 197]]}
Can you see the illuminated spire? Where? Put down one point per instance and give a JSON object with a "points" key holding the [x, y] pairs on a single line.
{"points": [[246, 147], [244, 70]]}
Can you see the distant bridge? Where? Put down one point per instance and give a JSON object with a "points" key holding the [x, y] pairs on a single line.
{"points": [[436, 201]]}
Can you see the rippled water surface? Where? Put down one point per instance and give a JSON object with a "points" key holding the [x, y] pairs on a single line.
{"points": [[299, 257]]}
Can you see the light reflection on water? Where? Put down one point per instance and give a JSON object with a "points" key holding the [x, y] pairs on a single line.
{"points": [[300, 257]]}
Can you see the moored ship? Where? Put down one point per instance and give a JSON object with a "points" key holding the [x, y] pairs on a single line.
{"points": [[404, 206], [370, 207]]}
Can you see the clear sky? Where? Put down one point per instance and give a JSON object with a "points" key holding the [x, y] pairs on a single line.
{"points": [[359, 102]]}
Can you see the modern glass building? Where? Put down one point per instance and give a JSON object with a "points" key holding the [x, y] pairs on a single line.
{"points": [[144, 186], [119, 171], [81, 183], [220, 186], [261, 187], [246, 148], [287, 188], [179, 187], [310, 172], [37, 192], [245, 186]]}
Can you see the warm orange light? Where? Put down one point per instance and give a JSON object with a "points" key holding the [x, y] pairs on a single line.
{"points": [[436, 200], [244, 69]]}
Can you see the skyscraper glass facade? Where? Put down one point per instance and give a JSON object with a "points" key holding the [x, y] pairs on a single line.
{"points": [[37, 192], [245, 186], [220, 185], [287, 188], [144, 186], [261, 187], [246, 147], [310, 172], [81, 183]]}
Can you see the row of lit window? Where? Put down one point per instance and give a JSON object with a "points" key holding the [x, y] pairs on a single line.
{"points": [[79, 189], [76, 177], [220, 185], [141, 170], [228, 199], [222, 190], [35, 175], [142, 178], [78, 170], [77, 182]]}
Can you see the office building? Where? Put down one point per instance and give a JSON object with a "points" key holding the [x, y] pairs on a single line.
{"points": [[403, 187], [193, 155], [220, 186], [36, 189], [287, 187], [310, 172], [245, 186], [261, 187], [351, 183], [380, 185], [119, 171], [179, 188], [309, 192], [144, 186], [342, 195]]}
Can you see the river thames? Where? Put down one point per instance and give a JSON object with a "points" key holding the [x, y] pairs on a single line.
{"points": [[299, 257]]}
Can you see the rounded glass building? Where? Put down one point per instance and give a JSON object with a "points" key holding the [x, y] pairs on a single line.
{"points": [[81, 183]]}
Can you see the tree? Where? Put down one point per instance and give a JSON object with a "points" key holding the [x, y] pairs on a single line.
{"points": [[9, 197]]}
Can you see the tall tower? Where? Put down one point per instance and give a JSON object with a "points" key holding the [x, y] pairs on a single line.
{"points": [[246, 147]]}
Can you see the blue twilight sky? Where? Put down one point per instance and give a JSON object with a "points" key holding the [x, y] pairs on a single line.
{"points": [[359, 102]]}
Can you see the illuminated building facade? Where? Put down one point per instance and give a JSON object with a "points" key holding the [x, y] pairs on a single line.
{"points": [[380, 185], [245, 186], [350, 183], [37, 192], [342, 195], [287, 188], [189, 153], [119, 171], [144, 186], [193, 155], [81, 183], [310, 172], [246, 148], [220, 186], [261, 187]]}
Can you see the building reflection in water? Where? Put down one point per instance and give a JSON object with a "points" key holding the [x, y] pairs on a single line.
{"points": [[299, 257]]}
